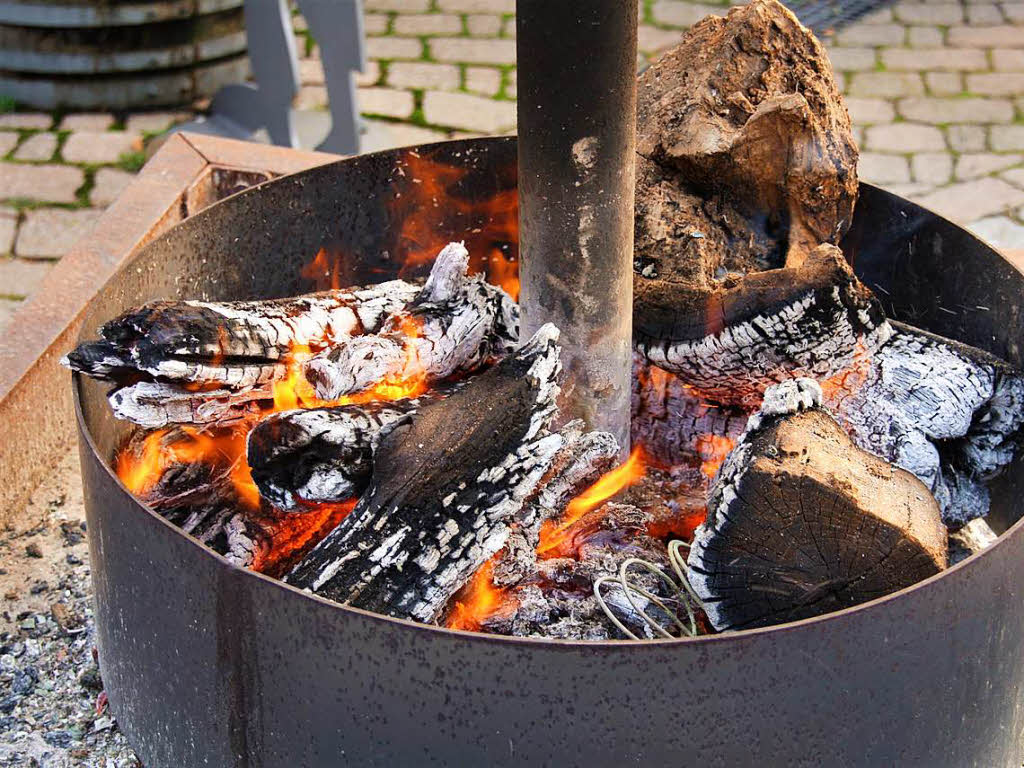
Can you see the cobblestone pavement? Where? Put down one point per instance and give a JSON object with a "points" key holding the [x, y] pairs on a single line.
{"points": [[935, 89]]}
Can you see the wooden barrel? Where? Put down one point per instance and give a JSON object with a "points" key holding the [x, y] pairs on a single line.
{"points": [[119, 54]]}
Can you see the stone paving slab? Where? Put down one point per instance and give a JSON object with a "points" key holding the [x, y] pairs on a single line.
{"points": [[48, 233], [47, 183], [935, 89]]}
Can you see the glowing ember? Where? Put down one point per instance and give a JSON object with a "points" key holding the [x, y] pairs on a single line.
{"points": [[713, 450], [476, 601], [295, 533], [552, 535]]}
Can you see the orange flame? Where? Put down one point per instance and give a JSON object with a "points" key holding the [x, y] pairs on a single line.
{"points": [[490, 227], [713, 450], [626, 474], [476, 601]]}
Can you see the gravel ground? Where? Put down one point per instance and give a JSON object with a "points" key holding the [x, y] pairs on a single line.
{"points": [[53, 713]]}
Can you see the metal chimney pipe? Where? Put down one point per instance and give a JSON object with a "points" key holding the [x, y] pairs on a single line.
{"points": [[577, 142]]}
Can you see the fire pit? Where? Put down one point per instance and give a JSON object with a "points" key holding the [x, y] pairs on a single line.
{"points": [[205, 662], [403, 449]]}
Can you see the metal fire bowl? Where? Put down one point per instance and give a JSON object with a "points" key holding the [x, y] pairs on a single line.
{"points": [[208, 664]]}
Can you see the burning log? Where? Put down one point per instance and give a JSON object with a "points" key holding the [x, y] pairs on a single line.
{"points": [[204, 362], [747, 164], [456, 323], [198, 481], [446, 488], [321, 455], [732, 343], [949, 413], [801, 522], [673, 422], [207, 500]]}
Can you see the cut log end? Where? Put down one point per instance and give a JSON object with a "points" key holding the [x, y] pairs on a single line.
{"points": [[801, 522]]}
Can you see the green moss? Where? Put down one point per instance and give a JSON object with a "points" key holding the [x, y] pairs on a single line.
{"points": [[131, 161], [7, 104]]}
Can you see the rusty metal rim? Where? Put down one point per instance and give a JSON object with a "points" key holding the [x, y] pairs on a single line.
{"points": [[1015, 530]]}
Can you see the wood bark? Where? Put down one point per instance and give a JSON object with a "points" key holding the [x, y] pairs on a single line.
{"points": [[446, 488], [457, 323], [801, 522]]}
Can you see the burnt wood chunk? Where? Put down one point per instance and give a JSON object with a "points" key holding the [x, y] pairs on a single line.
{"points": [[746, 110], [731, 342], [319, 455], [801, 522], [457, 323], [949, 413], [746, 166], [206, 362], [673, 422], [446, 487]]}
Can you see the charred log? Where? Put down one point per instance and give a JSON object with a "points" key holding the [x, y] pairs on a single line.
{"points": [[672, 421], [457, 323], [747, 163], [801, 522], [446, 488], [949, 413], [320, 455], [733, 341], [584, 457], [204, 362], [198, 497]]}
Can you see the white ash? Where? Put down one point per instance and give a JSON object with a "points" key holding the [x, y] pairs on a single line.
{"points": [[975, 537], [949, 414], [461, 322]]}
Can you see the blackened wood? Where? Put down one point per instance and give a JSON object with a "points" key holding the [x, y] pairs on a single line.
{"points": [[445, 489], [204, 362], [672, 421], [321, 455], [801, 522], [747, 164], [456, 323], [949, 413], [733, 341]]}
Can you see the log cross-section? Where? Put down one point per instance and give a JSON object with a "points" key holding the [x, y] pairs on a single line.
{"points": [[801, 522]]}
